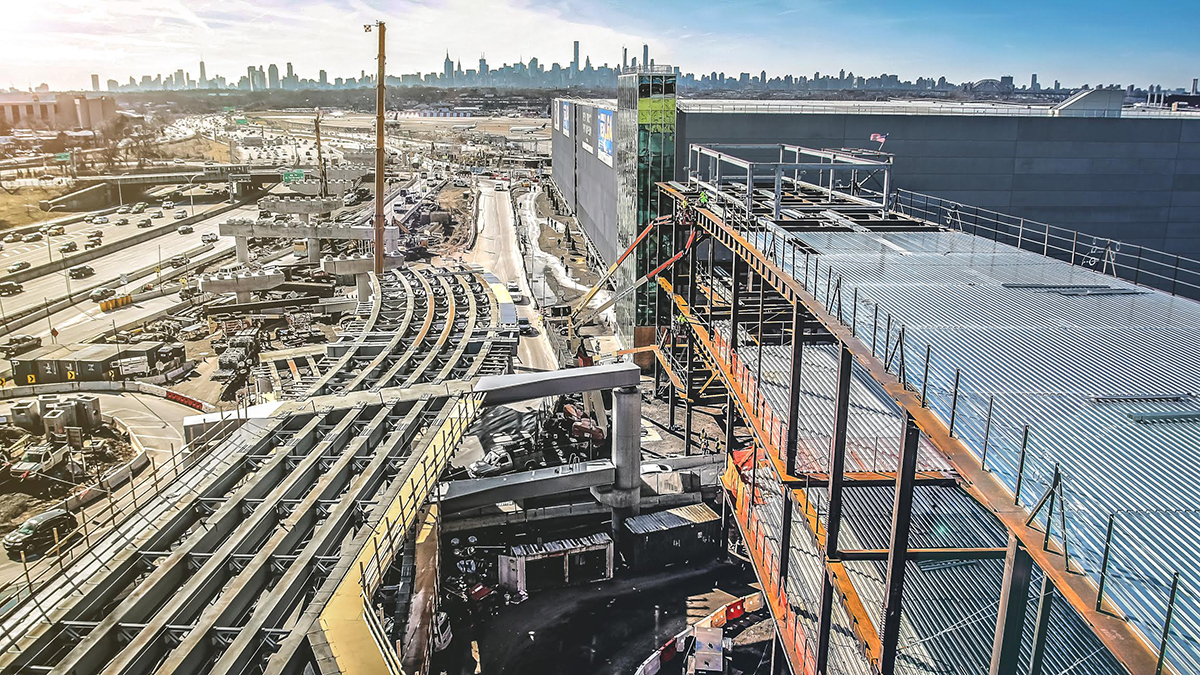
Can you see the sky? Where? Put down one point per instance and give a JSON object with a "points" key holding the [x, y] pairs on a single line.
{"points": [[62, 42]]}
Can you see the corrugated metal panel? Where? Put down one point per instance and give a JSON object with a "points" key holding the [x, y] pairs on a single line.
{"points": [[1038, 358], [561, 545], [680, 516]]}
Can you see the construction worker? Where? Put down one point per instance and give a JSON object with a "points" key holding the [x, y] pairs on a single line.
{"points": [[703, 198]]}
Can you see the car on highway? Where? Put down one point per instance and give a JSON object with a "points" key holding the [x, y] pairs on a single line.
{"points": [[178, 160], [168, 205], [10, 288], [179, 260], [91, 244], [100, 220], [19, 344], [209, 238], [12, 238], [123, 209], [81, 271], [90, 218], [18, 266], [501, 187], [180, 214], [185, 229], [68, 247], [122, 221], [31, 237], [145, 222], [41, 532], [139, 207], [56, 230], [157, 214], [101, 294]]}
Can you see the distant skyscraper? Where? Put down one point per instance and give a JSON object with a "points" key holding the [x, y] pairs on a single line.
{"points": [[251, 75], [1033, 83], [324, 79], [273, 76], [95, 83], [447, 70], [575, 61], [290, 73], [203, 75], [645, 55], [180, 79], [483, 66], [624, 57]]}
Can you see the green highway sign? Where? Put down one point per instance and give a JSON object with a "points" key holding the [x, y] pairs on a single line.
{"points": [[229, 108], [241, 120], [293, 176], [62, 156]]}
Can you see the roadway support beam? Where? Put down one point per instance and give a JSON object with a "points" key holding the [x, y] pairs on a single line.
{"points": [[898, 548], [627, 455], [1010, 620], [363, 281], [242, 247], [314, 250]]}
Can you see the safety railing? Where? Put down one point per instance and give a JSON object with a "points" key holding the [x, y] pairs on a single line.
{"points": [[1141, 265]]}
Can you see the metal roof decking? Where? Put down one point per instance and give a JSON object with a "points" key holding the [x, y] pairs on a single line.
{"points": [[1040, 357]]}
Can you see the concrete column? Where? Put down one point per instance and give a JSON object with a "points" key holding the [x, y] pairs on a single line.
{"points": [[364, 286], [314, 250], [242, 245], [626, 454], [243, 296]]}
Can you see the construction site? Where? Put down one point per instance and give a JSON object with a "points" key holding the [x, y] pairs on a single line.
{"points": [[674, 405]]}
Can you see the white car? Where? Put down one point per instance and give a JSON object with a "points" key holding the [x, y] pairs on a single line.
{"points": [[654, 467], [180, 214]]}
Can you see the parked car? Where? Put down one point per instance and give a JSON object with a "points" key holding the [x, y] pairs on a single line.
{"points": [[18, 266], [67, 247], [101, 294], [81, 271], [10, 288], [41, 532]]}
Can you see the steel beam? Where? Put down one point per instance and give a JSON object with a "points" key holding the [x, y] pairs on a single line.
{"points": [[1014, 597], [793, 428], [898, 549], [1037, 654]]}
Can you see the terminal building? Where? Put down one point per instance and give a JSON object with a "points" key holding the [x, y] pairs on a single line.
{"points": [[1125, 178], [959, 439]]}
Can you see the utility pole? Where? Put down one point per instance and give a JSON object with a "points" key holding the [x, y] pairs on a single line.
{"points": [[380, 89], [320, 157]]}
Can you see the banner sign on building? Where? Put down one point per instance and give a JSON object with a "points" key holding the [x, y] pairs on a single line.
{"points": [[604, 135], [566, 118], [555, 115], [587, 128]]}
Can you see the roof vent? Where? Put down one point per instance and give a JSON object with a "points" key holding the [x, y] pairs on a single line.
{"points": [[1141, 398], [1166, 417]]}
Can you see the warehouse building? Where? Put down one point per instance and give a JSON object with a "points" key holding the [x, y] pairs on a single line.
{"points": [[1131, 175]]}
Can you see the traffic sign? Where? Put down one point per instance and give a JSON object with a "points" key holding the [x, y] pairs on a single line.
{"points": [[62, 156], [241, 120], [293, 176]]}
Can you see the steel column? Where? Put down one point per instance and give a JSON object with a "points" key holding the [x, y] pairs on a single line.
{"points": [[1014, 597], [1040, 627], [837, 454], [898, 548], [793, 429]]}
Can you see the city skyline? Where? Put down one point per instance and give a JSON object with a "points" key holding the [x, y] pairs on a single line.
{"points": [[125, 35]]}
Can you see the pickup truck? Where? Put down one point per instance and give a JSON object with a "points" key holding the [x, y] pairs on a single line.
{"points": [[39, 460]]}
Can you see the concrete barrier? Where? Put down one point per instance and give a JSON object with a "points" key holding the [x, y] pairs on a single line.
{"points": [[116, 477], [104, 387]]}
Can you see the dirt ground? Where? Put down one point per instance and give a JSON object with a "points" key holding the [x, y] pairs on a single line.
{"points": [[459, 206], [202, 148], [21, 499], [21, 208]]}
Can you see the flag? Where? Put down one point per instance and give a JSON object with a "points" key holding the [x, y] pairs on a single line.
{"points": [[879, 138]]}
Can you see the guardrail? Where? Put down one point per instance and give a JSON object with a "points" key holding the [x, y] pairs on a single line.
{"points": [[1143, 266], [101, 387]]}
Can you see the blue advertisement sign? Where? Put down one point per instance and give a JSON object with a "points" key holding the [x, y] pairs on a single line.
{"points": [[604, 135], [566, 118]]}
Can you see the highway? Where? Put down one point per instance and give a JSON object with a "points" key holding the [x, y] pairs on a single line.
{"points": [[111, 266]]}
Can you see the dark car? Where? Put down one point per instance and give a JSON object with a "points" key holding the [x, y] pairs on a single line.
{"points": [[18, 266], [101, 294], [145, 222], [10, 288], [41, 532], [19, 344], [81, 271], [68, 247]]}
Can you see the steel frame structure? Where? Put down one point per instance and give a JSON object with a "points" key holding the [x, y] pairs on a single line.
{"points": [[767, 298], [282, 549]]}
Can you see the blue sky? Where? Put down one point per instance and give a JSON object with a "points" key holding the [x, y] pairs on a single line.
{"points": [[63, 41]]}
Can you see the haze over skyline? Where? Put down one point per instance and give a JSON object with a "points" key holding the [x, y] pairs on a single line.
{"points": [[62, 42]]}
